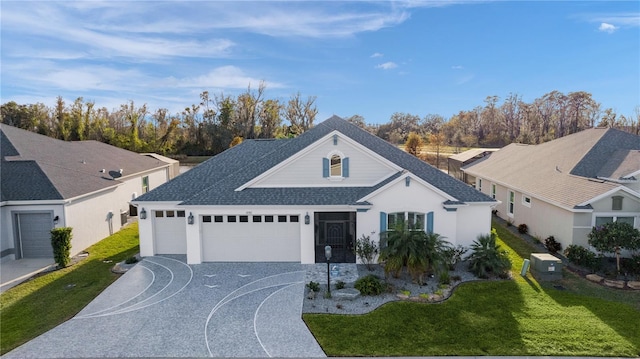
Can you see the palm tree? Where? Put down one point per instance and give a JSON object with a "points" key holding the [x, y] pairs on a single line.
{"points": [[411, 247], [487, 257]]}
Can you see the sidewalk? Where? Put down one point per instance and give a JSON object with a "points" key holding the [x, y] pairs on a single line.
{"points": [[14, 272]]}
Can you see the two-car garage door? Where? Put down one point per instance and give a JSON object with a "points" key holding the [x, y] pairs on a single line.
{"points": [[250, 238]]}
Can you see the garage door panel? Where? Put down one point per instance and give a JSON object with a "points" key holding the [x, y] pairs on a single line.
{"points": [[170, 235], [35, 234], [251, 242]]}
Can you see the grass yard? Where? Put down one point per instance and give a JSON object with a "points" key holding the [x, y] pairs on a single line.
{"points": [[38, 305], [515, 317]]}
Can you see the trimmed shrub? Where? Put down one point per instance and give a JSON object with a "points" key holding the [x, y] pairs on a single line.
{"points": [[313, 286], [61, 243], [552, 245], [366, 249], [131, 260], [369, 285], [523, 229], [582, 257]]}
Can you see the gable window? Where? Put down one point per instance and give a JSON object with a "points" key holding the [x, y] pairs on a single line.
{"points": [[512, 197], [526, 201], [335, 166], [616, 203], [145, 184], [493, 190]]}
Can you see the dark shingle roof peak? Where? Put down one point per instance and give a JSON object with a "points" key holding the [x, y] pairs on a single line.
{"points": [[215, 181]]}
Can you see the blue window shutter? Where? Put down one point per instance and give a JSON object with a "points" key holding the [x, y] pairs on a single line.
{"points": [[383, 222], [345, 167], [325, 167], [430, 222]]}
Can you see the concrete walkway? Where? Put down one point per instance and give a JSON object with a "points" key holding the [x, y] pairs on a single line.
{"points": [[14, 272], [163, 307]]}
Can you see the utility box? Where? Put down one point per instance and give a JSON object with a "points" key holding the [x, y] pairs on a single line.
{"points": [[544, 266]]}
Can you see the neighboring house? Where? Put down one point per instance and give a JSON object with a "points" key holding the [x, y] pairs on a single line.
{"points": [[285, 200], [564, 187], [86, 185], [457, 161]]}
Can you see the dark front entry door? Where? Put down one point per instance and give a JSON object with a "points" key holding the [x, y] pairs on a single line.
{"points": [[335, 229]]}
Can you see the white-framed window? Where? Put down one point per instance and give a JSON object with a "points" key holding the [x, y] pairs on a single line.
{"points": [[145, 184], [526, 201], [413, 220], [511, 204], [335, 166], [493, 190], [603, 219]]}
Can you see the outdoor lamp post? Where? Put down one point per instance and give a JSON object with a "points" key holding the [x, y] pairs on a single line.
{"points": [[327, 253]]}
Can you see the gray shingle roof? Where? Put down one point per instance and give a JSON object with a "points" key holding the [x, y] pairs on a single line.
{"points": [[621, 165], [562, 171], [36, 167], [214, 182]]}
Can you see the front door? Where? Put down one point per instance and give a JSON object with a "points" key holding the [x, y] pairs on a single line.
{"points": [[335, 229]]}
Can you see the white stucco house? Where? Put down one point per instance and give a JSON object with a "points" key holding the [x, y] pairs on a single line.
{"points": [[86, 185], [286, 199], [565, 187]]}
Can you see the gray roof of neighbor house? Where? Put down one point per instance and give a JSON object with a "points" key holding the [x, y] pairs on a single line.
{"points": [[563, 171], [37, 167], [215, 181], [469, 154]]}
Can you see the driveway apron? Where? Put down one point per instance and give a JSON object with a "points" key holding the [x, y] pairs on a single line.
{"points": [[163, 307]]}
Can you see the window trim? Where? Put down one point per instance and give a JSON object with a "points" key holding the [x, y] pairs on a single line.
{"points": [[145, 184], [525, 202], [617, 200], [615, 215], [511, 205]]}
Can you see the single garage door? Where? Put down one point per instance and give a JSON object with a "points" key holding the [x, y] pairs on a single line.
{"points": [[170, 232], [251, 238], [34, 235]]}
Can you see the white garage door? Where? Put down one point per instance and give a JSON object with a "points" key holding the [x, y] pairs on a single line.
{"points": [[251, 238], [170, 232], [34, 235]]}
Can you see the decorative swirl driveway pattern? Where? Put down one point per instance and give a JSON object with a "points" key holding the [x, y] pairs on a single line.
{"points": [[160, 307]]}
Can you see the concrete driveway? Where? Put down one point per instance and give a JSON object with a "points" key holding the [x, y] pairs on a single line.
{"points": [[163, 307]]}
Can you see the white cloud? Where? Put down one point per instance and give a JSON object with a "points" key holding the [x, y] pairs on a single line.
{"points": [[387, 66], [608, 28], [224, 77], [457, 67], [376, 54]]}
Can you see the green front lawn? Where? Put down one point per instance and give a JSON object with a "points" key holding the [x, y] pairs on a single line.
{"points": [[38, 305], [515, 317]]}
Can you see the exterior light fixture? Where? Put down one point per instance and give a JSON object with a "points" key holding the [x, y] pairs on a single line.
{"points": [[307, 219], [190, 219], [143, 213], [56, 219], [327, 254]]}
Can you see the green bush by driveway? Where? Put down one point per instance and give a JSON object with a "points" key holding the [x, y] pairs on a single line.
{"points": [[38, 305], [500, 318]]}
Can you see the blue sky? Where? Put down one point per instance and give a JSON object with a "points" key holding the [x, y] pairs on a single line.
{"points": [[367, 58]]}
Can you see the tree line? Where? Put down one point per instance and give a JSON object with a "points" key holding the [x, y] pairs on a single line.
{"points": [[208, 127], [219, 121], [496, 124]]}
